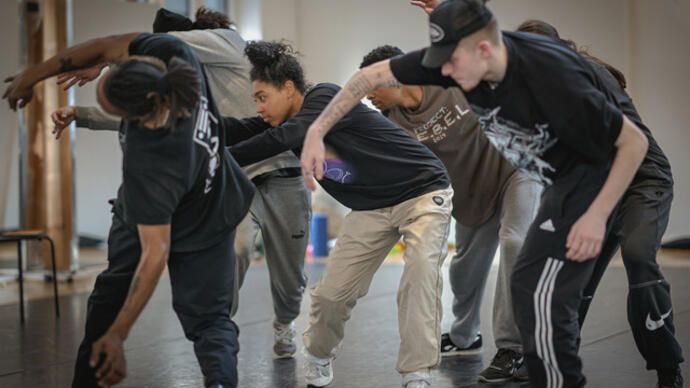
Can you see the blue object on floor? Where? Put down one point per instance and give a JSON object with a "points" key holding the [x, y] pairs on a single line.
{"points": [[319, 234]]}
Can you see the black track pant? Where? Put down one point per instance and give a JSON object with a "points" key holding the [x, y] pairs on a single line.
{"points": [[202, 295], [547, 288], [638, 228]]}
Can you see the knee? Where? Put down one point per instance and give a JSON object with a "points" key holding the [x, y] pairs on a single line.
{"points": [[511, 243]]}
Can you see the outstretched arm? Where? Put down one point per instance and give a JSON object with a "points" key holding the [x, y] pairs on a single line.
{"points": [[362, 83], [85, 55]]}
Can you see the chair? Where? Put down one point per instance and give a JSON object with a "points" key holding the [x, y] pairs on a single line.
{"points": [[21, 235]]}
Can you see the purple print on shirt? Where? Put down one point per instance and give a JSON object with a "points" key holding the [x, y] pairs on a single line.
{"points": [[337, 170]]}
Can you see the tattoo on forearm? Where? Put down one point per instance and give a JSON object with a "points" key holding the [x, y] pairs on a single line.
{"points": [[66, 65]]}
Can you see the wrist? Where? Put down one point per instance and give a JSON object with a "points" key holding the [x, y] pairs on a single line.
{"points": [[119, 331]]}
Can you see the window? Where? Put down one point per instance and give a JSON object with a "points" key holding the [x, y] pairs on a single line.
{"points": [[179, 6], [218, 5]]}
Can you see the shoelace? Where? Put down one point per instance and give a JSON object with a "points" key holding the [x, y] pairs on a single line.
{"points": [[314, 368], [285, 334], [504, 357]]}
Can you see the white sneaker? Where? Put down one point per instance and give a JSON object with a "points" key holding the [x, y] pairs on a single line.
{"points": [[418, 379], [318, 372], [284, 336]]}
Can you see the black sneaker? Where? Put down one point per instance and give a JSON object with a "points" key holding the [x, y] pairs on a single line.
{"points": [[521, 373], [669, 378], [448, 348], [503, 367]]}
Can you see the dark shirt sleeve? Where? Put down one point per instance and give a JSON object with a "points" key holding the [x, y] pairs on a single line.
{"points": [[237, 130], [288, 135], [579, 114], [154, 179], [408, 70], [162, 46]]}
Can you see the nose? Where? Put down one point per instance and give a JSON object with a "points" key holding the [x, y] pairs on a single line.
{"points": [[446, 69], [370, 96], [259, 108]]}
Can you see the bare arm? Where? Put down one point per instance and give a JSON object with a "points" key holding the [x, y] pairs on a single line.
{"points": [[155, 250], [586, 235], [362, 83], [88, 54]]}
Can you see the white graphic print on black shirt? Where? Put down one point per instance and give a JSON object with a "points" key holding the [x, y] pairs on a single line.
{"points": [[522, 147], [203, 137]]}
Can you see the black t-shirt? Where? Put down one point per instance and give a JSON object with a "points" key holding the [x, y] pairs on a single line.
{"points": [[376, 164], [655, 168], [546, 116], [184, 176]]}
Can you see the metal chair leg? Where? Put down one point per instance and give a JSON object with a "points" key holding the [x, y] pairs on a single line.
{"points": [[55, 290], [21, 281]]}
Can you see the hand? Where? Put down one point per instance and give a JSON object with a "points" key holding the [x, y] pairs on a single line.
{"points": [[426, 5], [18, 90], [81, 76], [586, 237], [62, 118], [313, 154], [112, 368]]}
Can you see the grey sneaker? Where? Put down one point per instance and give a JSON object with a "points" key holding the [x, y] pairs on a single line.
{"points": [[503, 367], [284, 336], [449, 349], [318, 372]]}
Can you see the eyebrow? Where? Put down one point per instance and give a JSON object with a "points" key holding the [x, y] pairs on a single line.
{"points": [[256, 94]]}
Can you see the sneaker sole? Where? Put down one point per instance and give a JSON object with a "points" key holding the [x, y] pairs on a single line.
{"points": [[283, 356], [483, 379], [462, 353]]}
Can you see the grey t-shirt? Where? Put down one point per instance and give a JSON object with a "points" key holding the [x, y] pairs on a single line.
{"points": [[445, 124], [221, 53]]}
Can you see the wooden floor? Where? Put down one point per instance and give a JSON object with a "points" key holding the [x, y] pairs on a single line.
{"points": [[41, 353]]}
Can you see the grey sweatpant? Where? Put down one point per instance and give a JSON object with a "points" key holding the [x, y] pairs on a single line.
{"points": [[281, 209], [475, 249]]}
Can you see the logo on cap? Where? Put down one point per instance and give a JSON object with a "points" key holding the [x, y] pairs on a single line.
{"points": [[438, 200], [436, 33]]}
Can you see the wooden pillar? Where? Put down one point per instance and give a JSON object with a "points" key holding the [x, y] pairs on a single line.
{"points": [[48, 196]]}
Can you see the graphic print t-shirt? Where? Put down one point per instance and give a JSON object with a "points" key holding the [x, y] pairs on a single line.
{"points": [[546, 116], [377, 165], [184, 176], [445, 124]]}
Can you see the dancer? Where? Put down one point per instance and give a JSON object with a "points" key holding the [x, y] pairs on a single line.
{"points": [[395, 187], [637, 229], [181, 198]]}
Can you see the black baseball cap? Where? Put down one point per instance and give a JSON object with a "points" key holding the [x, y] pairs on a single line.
{"points": [[449, 22], [167, 21]]}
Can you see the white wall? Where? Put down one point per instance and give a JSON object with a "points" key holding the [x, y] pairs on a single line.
{"points": [[98, 159], [660, 84]]}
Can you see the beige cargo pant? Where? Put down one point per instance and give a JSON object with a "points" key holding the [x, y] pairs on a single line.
{"points": [[364, 242]]}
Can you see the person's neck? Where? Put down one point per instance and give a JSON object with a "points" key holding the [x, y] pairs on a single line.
{"points": [[411, 97], [297, 101], [498, 65]]}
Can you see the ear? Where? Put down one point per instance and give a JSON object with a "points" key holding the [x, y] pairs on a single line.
{"points": [[289, 87], [484, 47]]}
